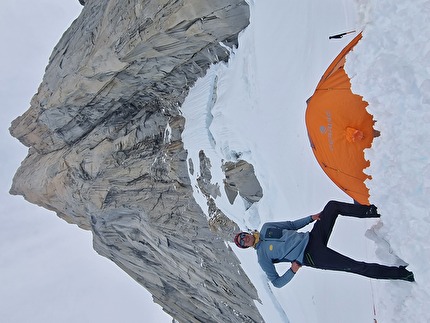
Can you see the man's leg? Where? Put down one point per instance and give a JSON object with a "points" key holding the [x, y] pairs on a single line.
{"points": [[318, 255], [322, 257], [322, 229], [354, 210]]}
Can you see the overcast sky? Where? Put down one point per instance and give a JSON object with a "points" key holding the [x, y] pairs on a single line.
{"points": [[48, 269]]}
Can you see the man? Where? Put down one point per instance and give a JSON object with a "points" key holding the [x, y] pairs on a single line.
{"points": [[281, 242]]}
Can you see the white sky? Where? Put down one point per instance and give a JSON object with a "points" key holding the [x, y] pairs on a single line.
{"points": [[48, 269]]}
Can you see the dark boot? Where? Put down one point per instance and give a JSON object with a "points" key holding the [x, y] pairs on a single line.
{"points": [[372, 212], [406, 274]]}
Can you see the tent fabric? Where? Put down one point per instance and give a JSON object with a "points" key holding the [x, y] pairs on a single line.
{"points": [[340, 128]]}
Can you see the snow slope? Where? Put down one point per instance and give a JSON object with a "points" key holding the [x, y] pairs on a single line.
{"points": [[254, 107], [391, 68]]}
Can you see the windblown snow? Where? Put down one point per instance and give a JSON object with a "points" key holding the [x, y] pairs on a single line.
{"points": [[253, 108]]}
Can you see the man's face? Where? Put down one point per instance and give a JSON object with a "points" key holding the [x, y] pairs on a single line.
{"points": [[248, 240]]}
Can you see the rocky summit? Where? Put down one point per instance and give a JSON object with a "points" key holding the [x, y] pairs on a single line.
{"points": [[105, 150]]}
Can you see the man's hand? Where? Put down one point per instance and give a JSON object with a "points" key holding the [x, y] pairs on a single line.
{"points": [[316, 217], [295, 266]]}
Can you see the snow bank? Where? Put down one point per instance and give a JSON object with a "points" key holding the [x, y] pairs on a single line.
{"points": [[390, 68]]}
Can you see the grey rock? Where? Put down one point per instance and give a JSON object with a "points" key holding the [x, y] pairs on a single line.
{"points": [[240, 179], [105, 150], [218, 221]]}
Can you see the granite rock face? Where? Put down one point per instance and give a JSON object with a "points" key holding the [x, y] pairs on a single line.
{"points": [[105, 149], [240, 180]]}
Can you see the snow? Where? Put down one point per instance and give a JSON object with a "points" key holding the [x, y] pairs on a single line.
{"points": [[253, 108], [391, 69]]}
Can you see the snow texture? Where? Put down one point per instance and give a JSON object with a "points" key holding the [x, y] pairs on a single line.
{"points": [[391, 69]]}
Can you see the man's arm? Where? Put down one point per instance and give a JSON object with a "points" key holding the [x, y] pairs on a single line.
{"points": [[272, 274], [300, 223], [295, 225]]}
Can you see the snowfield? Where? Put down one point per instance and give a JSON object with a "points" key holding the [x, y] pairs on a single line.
{"points": [[254, 107], [391, 69]]}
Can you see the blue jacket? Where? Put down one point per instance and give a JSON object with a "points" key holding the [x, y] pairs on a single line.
{"points": [[280, 242]]}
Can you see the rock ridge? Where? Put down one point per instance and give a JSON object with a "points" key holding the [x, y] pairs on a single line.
{"points": [[105, 149]]}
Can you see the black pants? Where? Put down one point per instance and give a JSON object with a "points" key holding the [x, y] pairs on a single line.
{"points": [[318, 255]]}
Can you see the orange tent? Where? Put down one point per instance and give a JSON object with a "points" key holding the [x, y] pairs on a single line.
{"points": [[340, 128]]}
